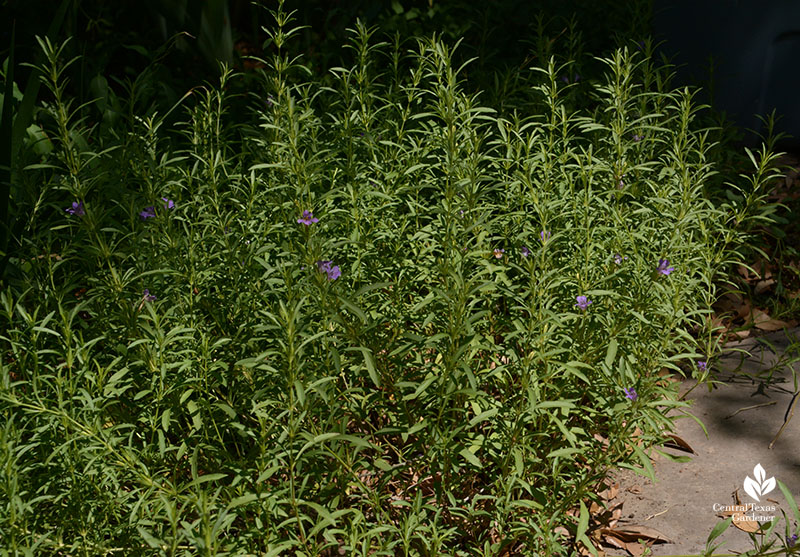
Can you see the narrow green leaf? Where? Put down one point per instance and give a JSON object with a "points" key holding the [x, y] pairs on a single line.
{"points": [[567, 451], [583, 525], [719, 528], [790, 499], [470, 457], [369, 361], [483, 416], [611, 354]]}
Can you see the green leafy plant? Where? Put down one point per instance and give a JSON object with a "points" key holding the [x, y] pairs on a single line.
{"points": [[374, 316]]}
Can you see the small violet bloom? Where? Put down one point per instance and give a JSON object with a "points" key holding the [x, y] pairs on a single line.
{"points": [[791, 540], [498, 252], [618, 259], [544, 235], [525, 251], [664, 268], [76, 209], [147, 296], [701, 365], [583, 302], [308, 218], [630, 394], [149, 212], [168, 203], [637, 138], [328, 268]]}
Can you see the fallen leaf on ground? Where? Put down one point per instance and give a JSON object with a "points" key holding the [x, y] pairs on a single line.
{"points": [[764, 322], [610, 492], [740, 519], [744, 271], [733, 304], [629, 538], [634, 533], [636, 436], [678, 443], [764, 285]]}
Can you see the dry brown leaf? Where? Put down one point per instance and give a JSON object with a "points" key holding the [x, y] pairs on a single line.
{"points": [[609, 517], [615, 542], [764, 322], [734, 305], [610, 492], [593, 551], [634, 533], [740, 521], [742, 270], [740, 517], [763, 285], [741, 335], [636, 436], [636, 549], [635, 489], [678, 443], [602, 440]]}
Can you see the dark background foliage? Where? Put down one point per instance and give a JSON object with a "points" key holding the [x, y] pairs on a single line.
{"points": [[119, 40]]}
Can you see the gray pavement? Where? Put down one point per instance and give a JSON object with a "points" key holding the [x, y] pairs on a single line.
{"points": [[680, 504]]}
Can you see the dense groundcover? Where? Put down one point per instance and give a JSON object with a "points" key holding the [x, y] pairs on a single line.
{"points": [[355, 312]]}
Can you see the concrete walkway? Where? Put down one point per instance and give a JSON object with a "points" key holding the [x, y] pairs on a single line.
{"points": [[680, 504]]}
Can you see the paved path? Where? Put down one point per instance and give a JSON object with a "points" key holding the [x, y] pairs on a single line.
{"points": [[685, 493]]}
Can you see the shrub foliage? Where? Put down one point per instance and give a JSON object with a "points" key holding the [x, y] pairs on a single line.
{"points": [[361, 313]]}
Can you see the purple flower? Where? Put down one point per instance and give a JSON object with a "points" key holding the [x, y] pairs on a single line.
{"points": [[618, 259], [307, 218], [148, 212], [664, 268], [498, 252], [791, 540], [544, 235], [637, 138], [147, 297], [270, 100], [168, 203], [701, 365], [583, 302], [76, 209], [525, 251], [630, 394], [328, 268]]}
